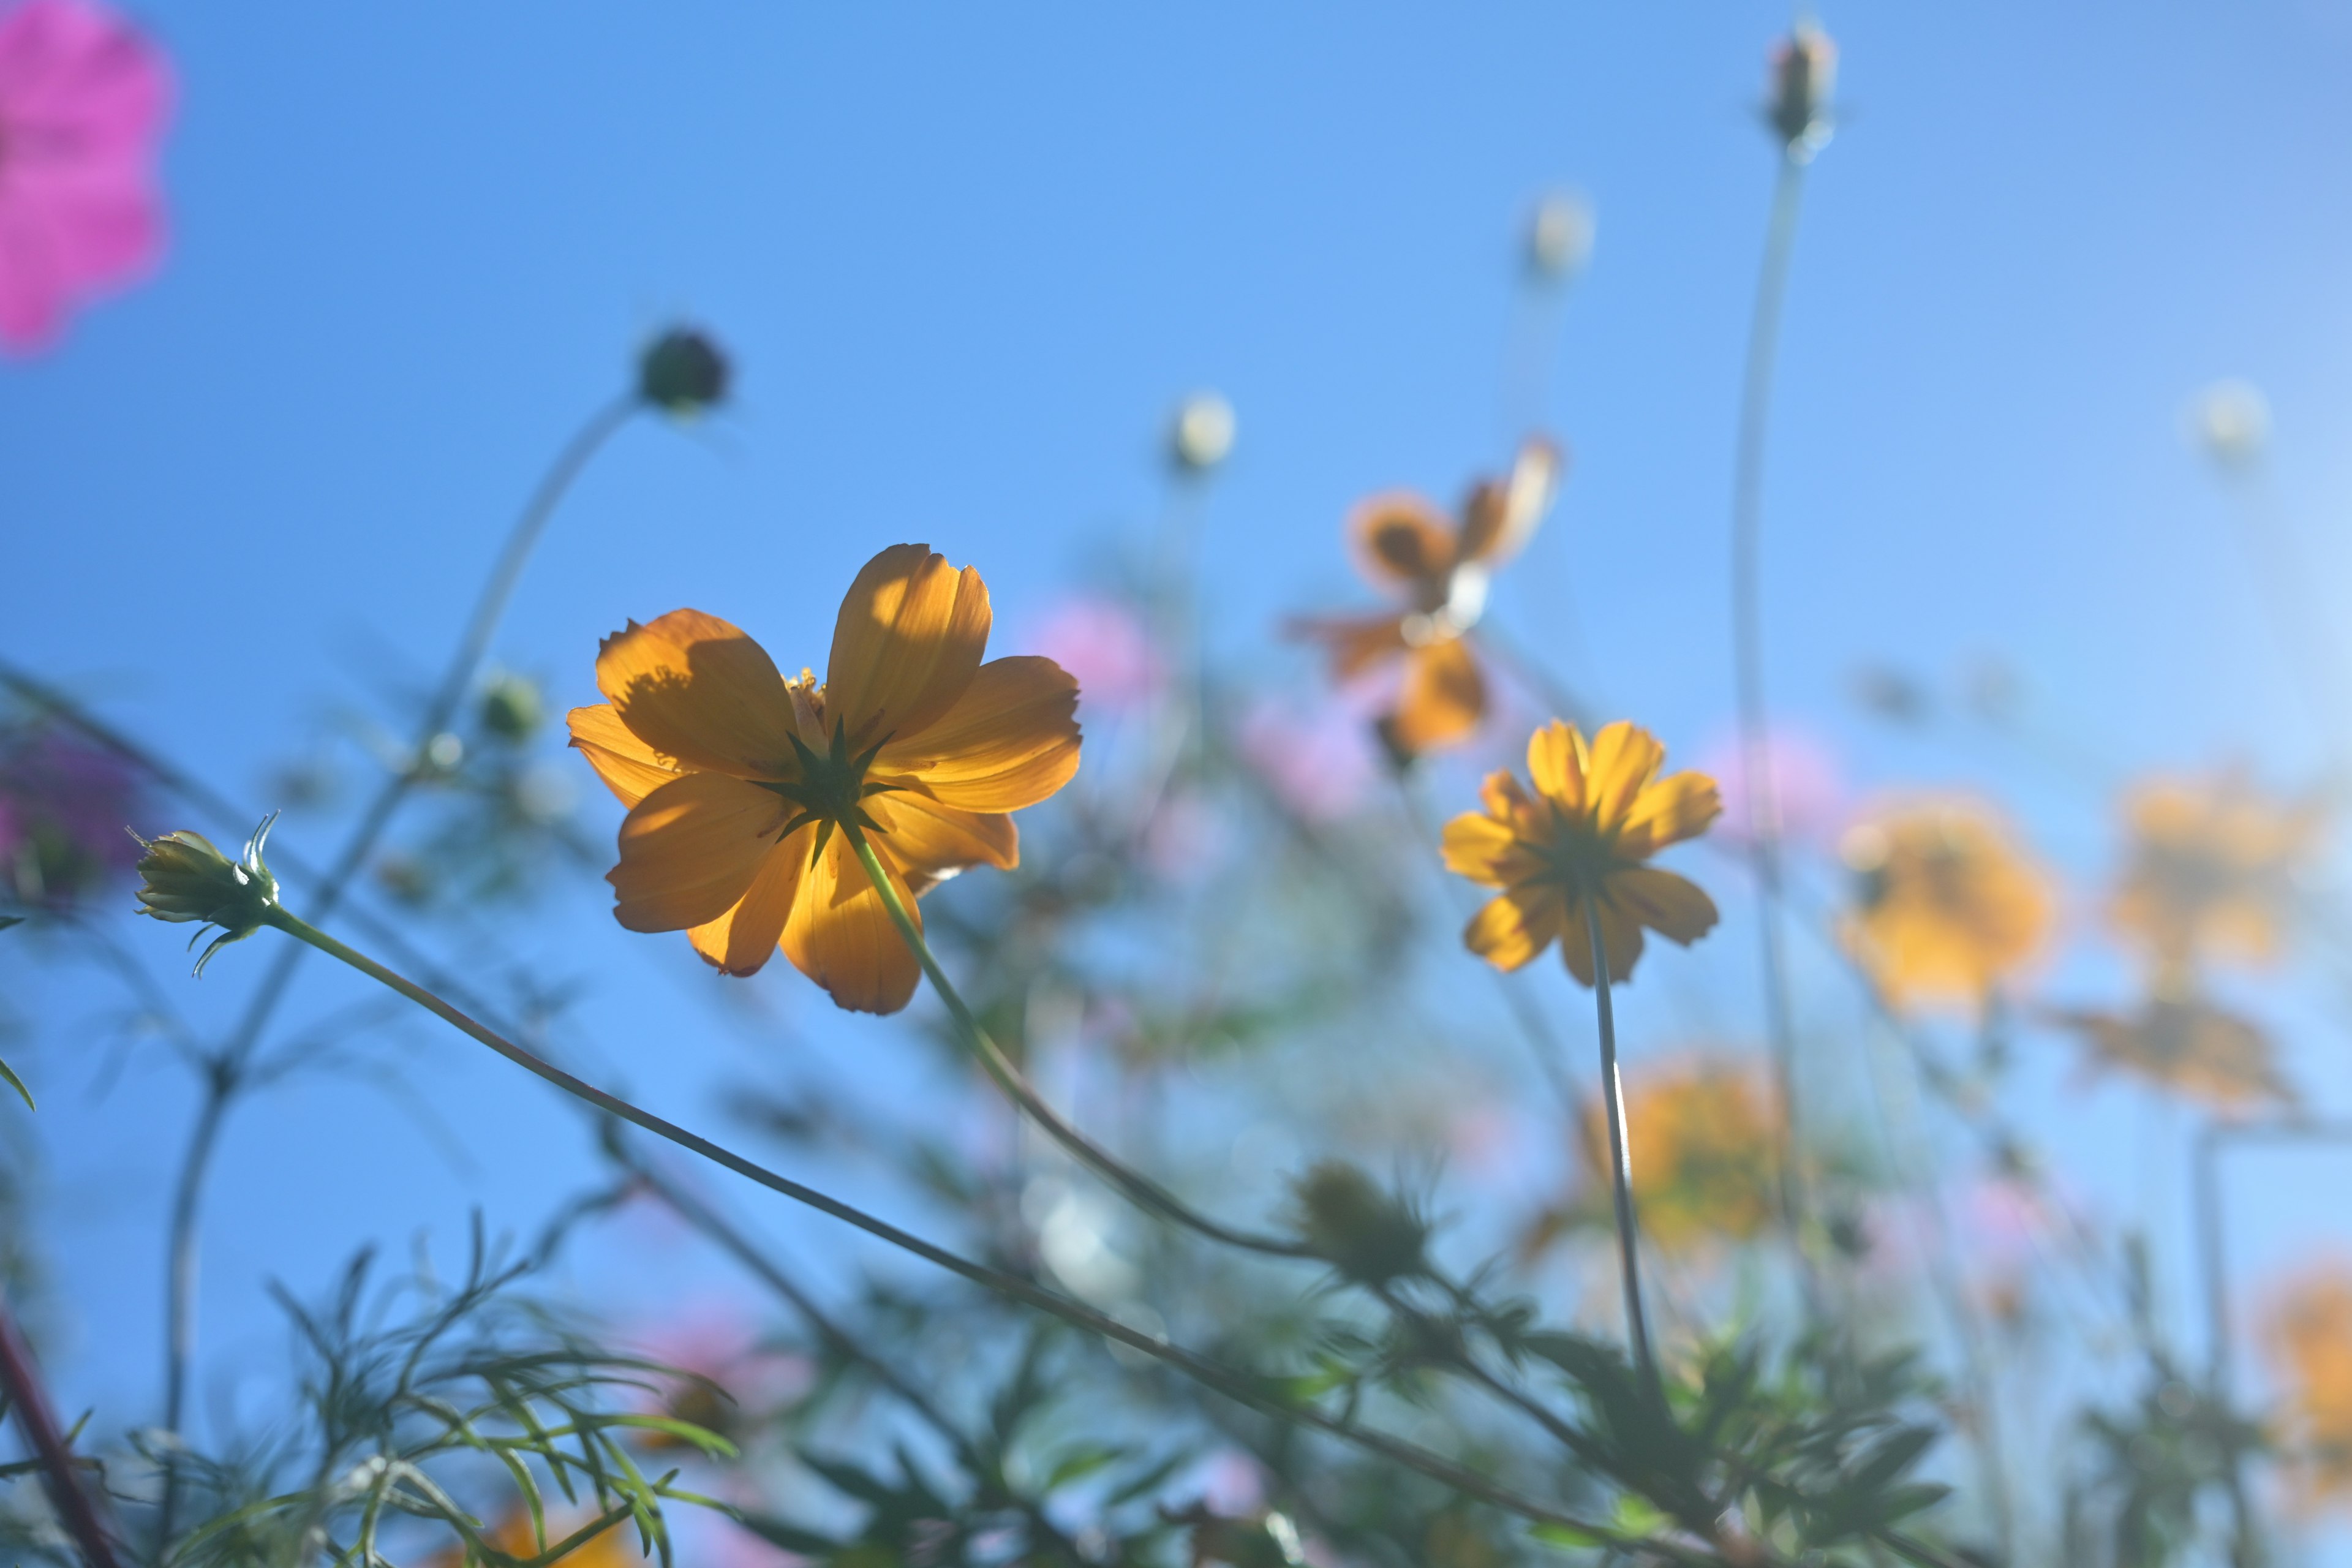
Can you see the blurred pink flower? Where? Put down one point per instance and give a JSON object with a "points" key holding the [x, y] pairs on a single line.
{"points": [[1807, 787], [83, 100], [1318, 760], [1102, 642], [64, 806]]}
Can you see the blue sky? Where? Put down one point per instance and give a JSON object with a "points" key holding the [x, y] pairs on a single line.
{"points": [[967, 259]]}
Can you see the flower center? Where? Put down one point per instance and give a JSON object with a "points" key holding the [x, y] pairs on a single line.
{"points": [[831, 789]]}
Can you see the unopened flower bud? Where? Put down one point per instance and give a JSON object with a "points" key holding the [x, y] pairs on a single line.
{"points": [[1560, 235], [1349, 1222], [1804, 73], [184, 878], [512, 706], [1203, 432], [683, 373]]}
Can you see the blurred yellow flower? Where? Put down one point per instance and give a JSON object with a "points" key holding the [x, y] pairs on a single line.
{"points": [[740, 781], [2211, 869], [614, 1548], [1945, 905], [1598, 813], [2178, 1040], [1703, 1132], [1407, 547], [2308, 1333]]}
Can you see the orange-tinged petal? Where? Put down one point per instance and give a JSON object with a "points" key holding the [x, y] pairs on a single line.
{"points": [[906, 645], [1355, 643], [1623, 760], [1402, 540], [840, 936], [691, 850], [743, 938], [1011, 741], [1675, 907], [1444, 696], [1678, 806], [630, 769], [932, 841], [1503, 515], [693, 688], [1621, 933], [1557, 763], [1485, 850], [1511, 929]]}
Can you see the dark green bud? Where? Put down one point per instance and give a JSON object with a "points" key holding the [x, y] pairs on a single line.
{"points": [[683, 373], [1349, 1222], [512, 707], [184, 878]]}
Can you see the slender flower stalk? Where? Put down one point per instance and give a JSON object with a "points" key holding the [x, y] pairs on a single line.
{"points": [[1620, 1156], [29, 1400], [1135, 1186], [1243, 1387]]}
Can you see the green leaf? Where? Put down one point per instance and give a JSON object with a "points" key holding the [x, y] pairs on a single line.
{"points": [[1567, 1536], [8, 1076], [7, 920]]}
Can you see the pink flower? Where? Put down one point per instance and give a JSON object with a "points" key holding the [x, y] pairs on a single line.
{"points": [[83, 100], [1319, 761], [1102, 642], [1808, 795]]}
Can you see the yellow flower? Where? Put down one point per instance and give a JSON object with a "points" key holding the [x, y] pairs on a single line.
{"points": [[2308, 1333], [1703, 1132], [1598, 813], [615, 1547], [2211, 869], [1408, 547], [740, 783], [1945, 905], [2179, 1041]]}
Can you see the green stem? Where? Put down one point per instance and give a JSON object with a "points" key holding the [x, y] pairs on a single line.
{"points": [[1136, 1188], [1620, 1156], [1257, 1393]]}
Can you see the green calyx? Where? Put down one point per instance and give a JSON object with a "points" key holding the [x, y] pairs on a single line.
{"points": [[183, 879], [831, 789]]}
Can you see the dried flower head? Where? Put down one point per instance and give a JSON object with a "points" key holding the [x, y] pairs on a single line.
{"points": [[1203, 433], [2308, 1334], [2211, 872], [1597, 815], [683, 372], [744, 787], [1703, 1131], [184, 878], [1441, 570], [1945, 905], [1804, 76], [1369, 1236]]}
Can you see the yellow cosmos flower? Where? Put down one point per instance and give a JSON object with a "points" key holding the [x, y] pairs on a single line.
{"points": [[2211, 869], [1703, 1132], [2179, 1041], [1945, 907], [613, 1548], [2308, 1333], [740, 782], [1598, 813], [1407, 547]]}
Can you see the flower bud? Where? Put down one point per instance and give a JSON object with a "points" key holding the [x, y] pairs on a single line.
{"points": [[1349, 1222], [512, 706], [1560, 235], [1804, 71], [183, 878], [683, 373], [1203, 432]]}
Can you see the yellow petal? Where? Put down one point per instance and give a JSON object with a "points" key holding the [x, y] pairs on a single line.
{"points": [[840, 936], [1556, 762], [695, 688], [1675, 907], [1355, 643], [1484, 850], [907, 644], [931, 841], [1011, 741], [1401, 540], [1443, 698], [1512, 929], [740, 941], [630, 769], [1621, 933], [1678, 806], [689, 850], [1623, 760]]}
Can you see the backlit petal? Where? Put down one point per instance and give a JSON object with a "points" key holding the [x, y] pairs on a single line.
{"points": [[1355, 643], [630, 769], [1512, 929], [1401, 540], [1556, 762], [929, 840], [1443, 698], [1620, 932], [1675, 907], [689, 850], [1676, 807], [695, 688], [743, 938], [1624, 758], [1011, 741], [907, 644], [1484, 850], [1503, 515], [840, 936]]}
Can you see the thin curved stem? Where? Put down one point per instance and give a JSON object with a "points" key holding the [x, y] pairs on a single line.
{"points": [[29, 1399], [226, 1075], [1621, 1157], [1748, 640], [1246, 1388], [1132, 1184]]}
